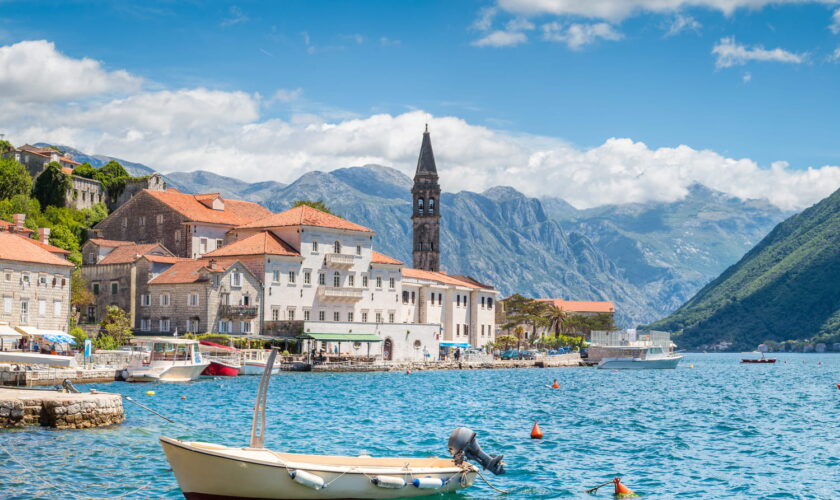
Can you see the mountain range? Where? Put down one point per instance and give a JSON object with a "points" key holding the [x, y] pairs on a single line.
{"points": [[646, 257]]}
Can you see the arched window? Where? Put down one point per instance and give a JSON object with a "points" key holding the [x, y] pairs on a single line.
{"points": [[431, 206], [336, 279], [419, 206], [337, 247]]}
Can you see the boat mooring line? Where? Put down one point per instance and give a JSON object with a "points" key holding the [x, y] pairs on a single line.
{"points": [[127, 398], [504, 492]]}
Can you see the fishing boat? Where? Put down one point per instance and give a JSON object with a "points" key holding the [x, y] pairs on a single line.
{"points": [[253, 361], [213, 471], [165, 359], [762, 359], [224, 360]]}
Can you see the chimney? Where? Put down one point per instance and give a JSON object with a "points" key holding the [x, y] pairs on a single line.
{"points": [[212, 263], [19, 220], [44, 235]]}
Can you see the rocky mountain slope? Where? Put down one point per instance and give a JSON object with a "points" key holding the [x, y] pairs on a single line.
{"points": [[786, 288]]}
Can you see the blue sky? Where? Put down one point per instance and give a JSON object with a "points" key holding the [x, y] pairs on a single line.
{"points": [[574, 72]]}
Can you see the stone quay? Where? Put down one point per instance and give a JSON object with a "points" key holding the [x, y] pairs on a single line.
{"points": [[60, 410]]}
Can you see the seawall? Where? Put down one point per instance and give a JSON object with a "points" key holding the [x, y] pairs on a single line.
{"points": [[60, 410]]}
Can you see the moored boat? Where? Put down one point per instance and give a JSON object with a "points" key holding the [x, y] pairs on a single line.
{"points": [[224, 360], [627, 350], [647, 358], [758, 360], [254, 361], [165, 360]]}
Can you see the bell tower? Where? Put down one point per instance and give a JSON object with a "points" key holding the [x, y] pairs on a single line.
{"points": [[425, 212]]}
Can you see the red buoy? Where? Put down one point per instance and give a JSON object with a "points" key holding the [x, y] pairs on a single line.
{"points": [[536, 433], [838, 386], [621, 490]]}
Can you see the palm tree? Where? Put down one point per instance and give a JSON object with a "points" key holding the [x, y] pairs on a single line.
{"points": [[556, 319]]}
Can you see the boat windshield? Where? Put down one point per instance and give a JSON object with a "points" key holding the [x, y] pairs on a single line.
{"points": [[655, 350], [170, 352]]}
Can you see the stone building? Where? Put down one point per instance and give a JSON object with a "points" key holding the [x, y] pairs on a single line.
{"points": [[425, 215], [153, 182], [34, 284], [201, 296], [83, 192], [36, 159], [188, 225]]}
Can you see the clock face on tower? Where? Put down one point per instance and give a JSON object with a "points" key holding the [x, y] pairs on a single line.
{"points": [[425, 214]]}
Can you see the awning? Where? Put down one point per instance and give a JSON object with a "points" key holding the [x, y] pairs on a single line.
{"points": [[342, 337], [7, 331], [462, 345], [56, 336]]}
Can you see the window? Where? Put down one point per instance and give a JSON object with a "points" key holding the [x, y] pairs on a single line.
{"points": [[431, 206], [164, 299], [390, 317], [24, 278], [457, 330], [236, 279], [306, 314], [42, 307], [391, 283], [364, 317], [314, 246], [320, 315], [291, 314], [482, 330], [307, 277], [220, 243], [141, 220], [322, 280], [224, 326], [145, 299], [225, 297], [291, 277], [7, 305], [95, 288], [164, 325], [124, 222], [178, 236], [350, 317], [24, 311], [335, 316], [145, 324], [192, 325], [364, 281], [115, 288], [412, 297], [433, 299], [378, 282], [466, 330], [482, 303], [202, 246], [8, 276], [489, 303], [42, 280], [379, 317], [245, 326], [159, 219], [245, 300], [405, 297], [336, 279], [275, 315], [193, 300], [420, 206], [337, 247], [351, 280], [358, 249], [276, 276], [458, 300]]}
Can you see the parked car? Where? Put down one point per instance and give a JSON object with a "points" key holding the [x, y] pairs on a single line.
{"points": [[510, 354]]}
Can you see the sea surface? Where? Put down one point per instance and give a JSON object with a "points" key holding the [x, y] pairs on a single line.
{"points": [[717, 430]]}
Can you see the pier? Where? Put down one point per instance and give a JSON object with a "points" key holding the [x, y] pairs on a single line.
{"points": [[60, 410]]}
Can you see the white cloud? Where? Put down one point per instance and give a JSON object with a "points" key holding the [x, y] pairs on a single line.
{"points": [[747, 78], [730, 53], [236, 17], [617, 10], [575, 35], [33, 71], [501, 39], [682, 23], [484, 21], [287, 95], [835, 56], [835, 22], [223, 132]]}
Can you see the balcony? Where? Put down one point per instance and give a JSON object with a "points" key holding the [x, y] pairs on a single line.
{"points": [[339, 260], [228, 311], [340, 293]]}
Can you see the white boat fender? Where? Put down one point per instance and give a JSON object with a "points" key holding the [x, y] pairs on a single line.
{"points": [[428, 483], [388, 482], [307, 479]]}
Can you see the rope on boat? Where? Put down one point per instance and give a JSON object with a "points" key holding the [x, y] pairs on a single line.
{"points": [[595, 489], [70, 493]]}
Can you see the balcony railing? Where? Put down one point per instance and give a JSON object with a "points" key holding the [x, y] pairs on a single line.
{"points": [[340, 293], [228, 311], [339, 260]]}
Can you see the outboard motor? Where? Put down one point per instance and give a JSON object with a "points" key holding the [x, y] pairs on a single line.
{"points": [[462, 445]]}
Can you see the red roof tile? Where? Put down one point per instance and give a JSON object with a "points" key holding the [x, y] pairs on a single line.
{"points": [[164, 259], [13, 247], [9, 226], [189, 271], [444, 278], [110, 243], [378, 258], [581, 306], [236, 212], [47, 247], [305, 215], [262, 243], [128, 253], [472, 280]]}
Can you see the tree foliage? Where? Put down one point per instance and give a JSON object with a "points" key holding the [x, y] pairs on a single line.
{"points": [[6, 147], [117, 328], [51, 186], [318, 205], [14, 178], [80, 294]]}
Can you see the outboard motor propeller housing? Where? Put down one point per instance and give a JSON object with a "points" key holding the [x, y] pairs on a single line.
{"points": [[462, 445]]}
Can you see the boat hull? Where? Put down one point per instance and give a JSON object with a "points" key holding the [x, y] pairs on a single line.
{"points": [[221, 369], [176, 373], [668, 363], [256, 368], [206, 471], [763, 361]]}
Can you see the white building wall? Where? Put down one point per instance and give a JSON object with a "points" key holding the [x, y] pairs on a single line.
{"points": [[409, 341], [214, 236]]}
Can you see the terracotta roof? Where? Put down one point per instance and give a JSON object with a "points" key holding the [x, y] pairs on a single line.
{"points": [[13, 247], [261, 243], [444, 278], [581, 306], [47, 247], [470, 279], [10, 226], [110, 243], [189, 271], [164, 259], [67, 170], [378, 258], [305, 215], [128, 253], [236, 213]]}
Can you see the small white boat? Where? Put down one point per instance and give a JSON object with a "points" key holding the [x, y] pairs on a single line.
{"points": [[165, 359], [643, 358], [212, 471], [254, 361]]}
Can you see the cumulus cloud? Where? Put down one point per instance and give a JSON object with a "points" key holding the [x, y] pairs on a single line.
{"points": [[835, 56], [617, 10], [575, 35], [682, 23], [287, 95], [501, 38], [730, 53], [34, 71]]}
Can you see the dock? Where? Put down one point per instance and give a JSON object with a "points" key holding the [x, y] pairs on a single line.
{"points": [[59, 410]]}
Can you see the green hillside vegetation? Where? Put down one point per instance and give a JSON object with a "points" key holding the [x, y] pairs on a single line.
{"points": [[787, 288]]}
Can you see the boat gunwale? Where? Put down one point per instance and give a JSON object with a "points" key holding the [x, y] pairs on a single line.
{"points": [[308, 466]]}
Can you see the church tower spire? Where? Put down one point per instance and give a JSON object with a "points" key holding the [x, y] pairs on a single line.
{"points": [[425, 215]]}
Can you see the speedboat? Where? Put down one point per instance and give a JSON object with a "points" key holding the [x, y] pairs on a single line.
{"points": [[642, 358], [212, 471], [165, 359], [224, 360], [253, 362]]}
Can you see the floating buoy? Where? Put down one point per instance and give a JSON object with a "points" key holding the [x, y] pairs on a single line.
{"points": [[622, 491], [183, 397], [408, 372], [428, 483], [389, 482], [555, 385], [838, 386], [536, 433], [691, 366], [150, 393], [307, 479]]}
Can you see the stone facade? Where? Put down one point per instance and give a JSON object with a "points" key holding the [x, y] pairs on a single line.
{"points": [[144, 219], [153, 182], [84, 193], [35, 294], [425, 216]]}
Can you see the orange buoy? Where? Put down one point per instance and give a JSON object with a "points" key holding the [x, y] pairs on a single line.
{"points": [[408, 372], [536, 433], [555, 385], [621, 490], [838, 386]]}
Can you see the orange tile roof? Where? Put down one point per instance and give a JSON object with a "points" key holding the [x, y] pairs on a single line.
{"points": [[472, 280], [189, 271], [13, 247], [444, 278], [261, 243], [110, 243], [128, 253], [67, 170], [10, 226], [378, 258], [236, 213], [47, 247], [305, 215], [581, 306], [164, 259]]}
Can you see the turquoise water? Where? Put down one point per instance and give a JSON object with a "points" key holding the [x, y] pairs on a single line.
{"points": [[719, 430]]}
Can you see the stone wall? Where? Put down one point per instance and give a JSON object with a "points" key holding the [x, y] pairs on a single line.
{"points": [[84, 193], [16, 289], [144, 219], [20, 408], [153, 182]]}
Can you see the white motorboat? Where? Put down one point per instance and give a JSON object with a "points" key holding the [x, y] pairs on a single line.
{"points": [[254, 361], [165, 359], [213, 471], [641, 358]]}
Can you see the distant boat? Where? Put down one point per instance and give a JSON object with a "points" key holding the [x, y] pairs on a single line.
{"points": [[224, 360], [648, 358], [623, 350], [165, 359], [762, 359], [253, 362]]}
